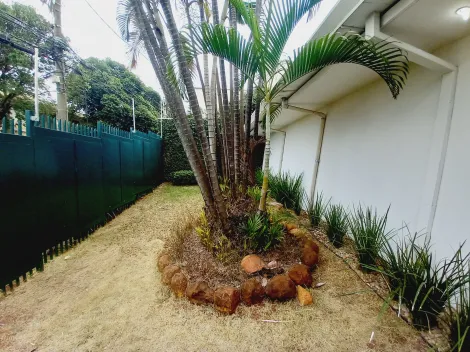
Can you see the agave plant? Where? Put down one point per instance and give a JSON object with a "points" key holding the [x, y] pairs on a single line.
{"points": [[337, 224], [458, 312], [260, 58], [417, 281], [368, 231], [316, 209], [287, 190]]}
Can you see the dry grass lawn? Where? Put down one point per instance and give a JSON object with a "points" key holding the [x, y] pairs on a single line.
{"points": [[105, 295]]}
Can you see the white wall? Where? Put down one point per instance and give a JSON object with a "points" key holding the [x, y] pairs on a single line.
{"points": [[381, 151], [299, 149], [376, 148], [453, 208]]}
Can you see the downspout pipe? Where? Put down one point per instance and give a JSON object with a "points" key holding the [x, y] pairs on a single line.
{"points": [[321, 135], [433, 63], [282, 148]]}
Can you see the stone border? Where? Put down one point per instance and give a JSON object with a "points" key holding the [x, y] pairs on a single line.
{"points": [[225, 299]]}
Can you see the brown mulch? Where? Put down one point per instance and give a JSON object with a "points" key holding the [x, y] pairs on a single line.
{"points": [[200, 264]]}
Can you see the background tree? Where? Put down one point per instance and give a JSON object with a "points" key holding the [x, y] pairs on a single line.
{"points": [[104, 89], [16, 67]]}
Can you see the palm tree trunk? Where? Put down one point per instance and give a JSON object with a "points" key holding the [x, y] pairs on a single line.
{"points": [[267, 154], [224, 130], [181, 122], [225, 111], [194, 104], [235, 106], [257, 113], [191, 36], [208, 96]]}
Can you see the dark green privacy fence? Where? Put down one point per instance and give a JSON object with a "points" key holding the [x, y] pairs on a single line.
{"points": [[59, 181]]}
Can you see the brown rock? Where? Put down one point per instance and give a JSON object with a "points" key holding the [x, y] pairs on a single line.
{"points": [[252, 263], [311, 244], [168, 273], [163, 262], [304, 297], [281, 287], [290, 227], [200, 293], [178, 284], [226, 299], [300, 274], [309, 257], [252, 292]]}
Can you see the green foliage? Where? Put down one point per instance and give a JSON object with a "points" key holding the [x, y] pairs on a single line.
{"points": [[254, 193], [174, 156], [17, 75], [368, 231], [204, 232], [219, 244], [261, 233], [287, 189], [337, 224], [415, 280], [316, 209], [104, 91], [259, 177], [458, 318], [183, 178], [20, 104]]}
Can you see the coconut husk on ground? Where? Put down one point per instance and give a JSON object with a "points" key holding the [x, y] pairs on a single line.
{"points": [[106, 295]]}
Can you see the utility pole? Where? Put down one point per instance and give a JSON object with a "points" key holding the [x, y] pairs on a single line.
{"points": [[62, 112], [36, 84], [133, 113]]}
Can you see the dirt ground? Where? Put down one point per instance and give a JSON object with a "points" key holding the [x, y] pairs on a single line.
{"points": [[105, 295]]}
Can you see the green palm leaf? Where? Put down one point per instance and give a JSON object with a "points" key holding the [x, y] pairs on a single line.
{"points": [[229, 45], [283, 16], [383, 58]]}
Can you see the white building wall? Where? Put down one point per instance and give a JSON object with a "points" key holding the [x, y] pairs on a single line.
{"points": [[299, 149], [380, 151], [453, 208], [376, 148]]}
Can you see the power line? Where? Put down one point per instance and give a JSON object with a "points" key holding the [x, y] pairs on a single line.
{"points": [[111, 28]]}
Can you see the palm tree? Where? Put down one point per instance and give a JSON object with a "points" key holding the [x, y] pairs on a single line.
{"points": [[139, 25], [261, 56]]}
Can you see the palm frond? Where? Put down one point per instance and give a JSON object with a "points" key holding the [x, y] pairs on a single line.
{"points": [[229, 45], [386, 60], [283, 16]]}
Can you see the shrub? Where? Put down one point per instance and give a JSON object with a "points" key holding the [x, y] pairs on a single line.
{"points": [[424, 287], [458, 318], [254, 193], [368, 231], [316, 209], [337, 224], [287, 189], [183, 177], [259, 177], [261, 233]]}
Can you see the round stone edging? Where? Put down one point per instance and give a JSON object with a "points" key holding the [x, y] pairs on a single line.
{"points": [[226, 299]]}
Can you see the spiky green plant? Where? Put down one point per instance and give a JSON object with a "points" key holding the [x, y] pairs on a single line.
{"points": [[368, 232], [261, 233], [254, 193], [417, 281], [337, 224], [287, 189], [316, 209], [458, 313]]}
